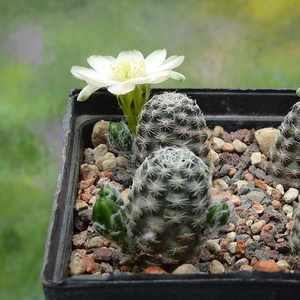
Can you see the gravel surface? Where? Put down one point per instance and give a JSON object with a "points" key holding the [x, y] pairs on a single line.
{"points": [[255, 238]]}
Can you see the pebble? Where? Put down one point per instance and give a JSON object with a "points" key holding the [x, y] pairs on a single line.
{"points": [[103, 254], [227, 147], [267, 266], [231, 236], [154, 270], [215, 267], [287, 208], [79, 239], [100, 130], [99, 151], [94, 242], [232, 247], [283, 264], [255, 196], [220, 184], [80, 205], [266, 138], [235, 200], [255, 158], [280, 188], [256, 227], [239, 146], [237, 265], [217, 144], [212, 246], [240, 249], [185, 269], [290, 195], [213, 156], [102, 163], [77, 266], [258, 208]]}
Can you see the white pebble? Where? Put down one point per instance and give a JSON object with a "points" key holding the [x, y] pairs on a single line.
{"points": [[217, 144], [283, 264], [249, 222], [287, 208], [232, 247], [255, 158], [231, 235], [256, 237], [280, 188], [239, 146], [212, 246], [290, 195], [256, 227], [185, 269], [220, 184], [215, 267], [213, 156]]}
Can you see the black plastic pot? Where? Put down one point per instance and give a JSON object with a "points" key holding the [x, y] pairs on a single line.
{"points": [[233, 109]]}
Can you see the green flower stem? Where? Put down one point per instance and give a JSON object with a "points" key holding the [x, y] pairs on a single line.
{"points": [[132, 104]]}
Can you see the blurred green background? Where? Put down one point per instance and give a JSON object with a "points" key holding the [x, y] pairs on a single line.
{"points": [[236, 43]]}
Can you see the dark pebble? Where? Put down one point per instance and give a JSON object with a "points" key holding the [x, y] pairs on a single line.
{"points": [[102, 255]]}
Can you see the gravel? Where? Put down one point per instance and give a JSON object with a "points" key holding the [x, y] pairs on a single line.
{"points": [[255, 237]]}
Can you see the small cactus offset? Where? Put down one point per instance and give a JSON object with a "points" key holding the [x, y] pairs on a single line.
{"points": [[120, 139], [171, 213], [171, 119], [284, 165], [109, 218]]}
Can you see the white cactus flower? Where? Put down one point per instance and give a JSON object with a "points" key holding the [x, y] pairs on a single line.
{"points": [[122, 74]]}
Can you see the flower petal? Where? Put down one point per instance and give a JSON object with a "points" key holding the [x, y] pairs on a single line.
{"points": [[101, 64], [154, 60], [75, 70], [128, 55], [91, 76], [171, 63], [121, 88], [177, 76], [86, 92]]}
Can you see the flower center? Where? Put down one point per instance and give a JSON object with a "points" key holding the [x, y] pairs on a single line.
{"points": [[128, 69]]}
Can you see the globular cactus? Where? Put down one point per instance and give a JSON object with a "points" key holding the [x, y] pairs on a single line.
{"points": [[171, 213], [284, 165], [171, 119]]}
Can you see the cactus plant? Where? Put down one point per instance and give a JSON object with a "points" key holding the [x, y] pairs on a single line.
{"points": [[109, 218], [170, 214], [284, 165], [169, 204], [120, 139], [171, 119]]}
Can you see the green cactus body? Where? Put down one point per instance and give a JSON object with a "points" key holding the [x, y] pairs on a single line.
{"points": [[171, 119], [120, 139], [284, 165], [109, 218], [169, 202]]}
